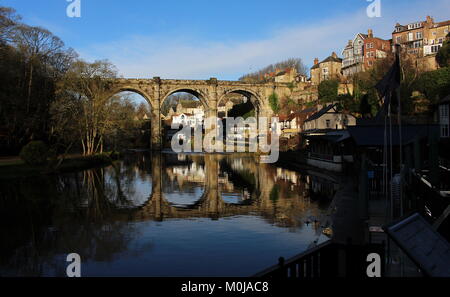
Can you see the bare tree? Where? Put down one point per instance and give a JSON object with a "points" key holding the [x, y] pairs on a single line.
{"points": [[8, 23], [89, 85], [37, 44]]}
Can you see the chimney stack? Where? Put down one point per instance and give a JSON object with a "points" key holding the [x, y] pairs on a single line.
{"points": [[316, 61], [334, 55], [370, 33]]}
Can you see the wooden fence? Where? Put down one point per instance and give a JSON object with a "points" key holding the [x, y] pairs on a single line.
{"points": [[327, 260]]}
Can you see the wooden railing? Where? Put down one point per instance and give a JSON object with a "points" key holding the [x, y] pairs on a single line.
{"points": [[327, 260], [324, 157]]}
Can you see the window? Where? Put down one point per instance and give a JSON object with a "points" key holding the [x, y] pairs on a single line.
{"points": [[325, 70], [414, 26], [417, 44], [444, 131], [419, 35], [345, 121], [435, 48], [328, 123], [443, 111], [399, 39], [410, 36]]}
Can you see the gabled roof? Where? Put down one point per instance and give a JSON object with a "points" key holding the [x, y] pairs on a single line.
{"points": [[282, 117], [444, 23], [363, 36], [308, 110], [348, 46], [328, 59], [297, 114], [332, 59], [181, 114], [320, 113]]}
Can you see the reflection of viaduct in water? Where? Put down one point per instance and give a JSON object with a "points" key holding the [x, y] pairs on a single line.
{"points": [[210, 204]]}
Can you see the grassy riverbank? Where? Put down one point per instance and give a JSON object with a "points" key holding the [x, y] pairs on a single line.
{"points": [[14, 167]]}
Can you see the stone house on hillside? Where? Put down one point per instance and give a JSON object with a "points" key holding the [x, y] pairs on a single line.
{"points": [[330, 68]]}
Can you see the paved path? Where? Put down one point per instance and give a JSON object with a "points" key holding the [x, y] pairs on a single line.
{"points": [[344, 214]]}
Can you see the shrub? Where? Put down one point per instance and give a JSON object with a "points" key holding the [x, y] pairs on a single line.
{"points": [[114, 155], [328, 91], [102, 158], [443, 56], [34, 153], [434, 84], [273, 101]]}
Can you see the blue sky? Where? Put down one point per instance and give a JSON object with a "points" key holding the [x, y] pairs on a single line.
{"points": [[199, 39]]}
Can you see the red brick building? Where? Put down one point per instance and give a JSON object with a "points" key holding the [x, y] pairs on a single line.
{"points": [[375, 48]]}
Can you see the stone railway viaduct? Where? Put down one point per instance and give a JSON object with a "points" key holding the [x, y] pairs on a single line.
{"points": [[210, 92]]}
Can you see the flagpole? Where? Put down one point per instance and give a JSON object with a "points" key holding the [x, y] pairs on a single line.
{"points": [[400, 127], [401, 141], [387, 88], [391, 160], [385, 166]]}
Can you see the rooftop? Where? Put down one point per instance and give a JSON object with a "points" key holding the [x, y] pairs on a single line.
{"points": [[445, 100], [374, 135], [320, 113], [332, 58]]}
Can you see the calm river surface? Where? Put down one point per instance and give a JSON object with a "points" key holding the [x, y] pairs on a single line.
{"points": [[161, 215]]}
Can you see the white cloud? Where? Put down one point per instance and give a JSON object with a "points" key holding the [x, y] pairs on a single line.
{"points": [[187, 57]]}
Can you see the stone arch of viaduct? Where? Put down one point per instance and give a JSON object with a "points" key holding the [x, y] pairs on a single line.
{"points": [[210, 92]]}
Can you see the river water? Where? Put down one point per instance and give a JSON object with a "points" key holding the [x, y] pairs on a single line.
{"points": [[161, 215]]}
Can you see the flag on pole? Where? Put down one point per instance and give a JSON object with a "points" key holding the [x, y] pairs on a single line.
{"points": [[388, 85]]}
